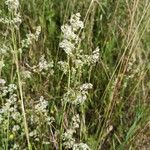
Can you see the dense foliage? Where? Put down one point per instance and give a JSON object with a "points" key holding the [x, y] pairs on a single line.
{"points": [[74, 74]]}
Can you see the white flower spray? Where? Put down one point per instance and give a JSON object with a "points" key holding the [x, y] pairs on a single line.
{"points": [[77, 93]]}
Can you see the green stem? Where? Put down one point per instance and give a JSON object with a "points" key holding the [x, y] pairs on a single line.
{"points": [[20, 86]]}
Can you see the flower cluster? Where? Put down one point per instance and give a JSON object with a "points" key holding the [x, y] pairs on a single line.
{"points": [[4, 90], [10, 113], [77, 96], [82, 59], [11, 119], [44, 65], [67, 46], [2, 81], [75, 22], [68, 139], [68, 136], [4, 49], [81, 146], [41, 106], [26, 74], [40, 110], [70, 37], [14, 20], [15, 147], [63, 66], [12, 5], [71, 45], [31, 37]]}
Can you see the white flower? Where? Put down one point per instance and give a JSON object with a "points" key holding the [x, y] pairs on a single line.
{"points": [[26, 74], [2, 81], [12, 88], [49, 120], [69, 144], [4, 49], [76, 121], [46, 142], [68, 134], [44, 65], [80, 98], [4, 91], [16, 115], [95, 55], [78, 63], [41, 106], [12, 5], [86, 86], [81, 146], [16, 128], [37, 139], [16, 146], [70, 37], [33, 133], [67, 46], [68, 32], [63, 66], [75, 22], [68, 139], [12, 98], [16, 20], [30, 37], [37, 33]]}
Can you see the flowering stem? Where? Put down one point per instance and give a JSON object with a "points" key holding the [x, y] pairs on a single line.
{"points": [[69, 74], [65, 103], [61, 128], [7, 131]]}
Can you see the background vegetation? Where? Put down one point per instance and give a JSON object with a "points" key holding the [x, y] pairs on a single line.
{"points": [[115, 115]]}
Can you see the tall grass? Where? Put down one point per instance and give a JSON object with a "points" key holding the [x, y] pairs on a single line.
{"points": [[93, 96]]}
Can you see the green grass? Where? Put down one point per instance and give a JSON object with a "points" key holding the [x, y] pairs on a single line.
{"points": [[115, 115]]}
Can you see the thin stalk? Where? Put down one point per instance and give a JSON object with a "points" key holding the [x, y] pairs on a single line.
{"points": [[20, 87], [7, 131], [65, 104]]}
